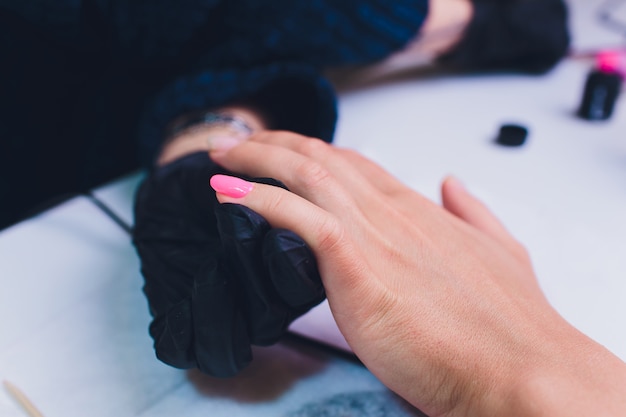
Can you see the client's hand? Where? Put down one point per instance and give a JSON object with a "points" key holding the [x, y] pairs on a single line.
{"points": [[217, 277], [441, 303]]}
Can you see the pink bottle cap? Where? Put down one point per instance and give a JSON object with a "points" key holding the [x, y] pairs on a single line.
{"points": [[612, 61]]}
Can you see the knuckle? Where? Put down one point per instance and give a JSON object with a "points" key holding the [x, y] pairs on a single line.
{"points": [[275, 204], [313, 148], [378, 316], [330, 234], [349, 153], [271, 136], [312, 174], [292, 135]]}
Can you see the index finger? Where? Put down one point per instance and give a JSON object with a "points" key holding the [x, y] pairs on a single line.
{"points": [[348, 164], [303, 175]]}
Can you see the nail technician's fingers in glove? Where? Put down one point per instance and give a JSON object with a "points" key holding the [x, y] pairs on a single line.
{"points": [[241, 234], [211, 291], [197, 323], [221, 339], [290, 262], [321, 230], [291, 265], [293, 269]]}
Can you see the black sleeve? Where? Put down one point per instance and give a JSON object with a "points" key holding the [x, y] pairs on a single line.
{"points": [[513, 35]]}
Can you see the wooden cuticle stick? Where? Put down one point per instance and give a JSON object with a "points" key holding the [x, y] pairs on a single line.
{"points": [[22, 399]]}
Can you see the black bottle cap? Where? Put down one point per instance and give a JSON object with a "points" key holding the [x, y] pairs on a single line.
{"points": [[512, 135]]}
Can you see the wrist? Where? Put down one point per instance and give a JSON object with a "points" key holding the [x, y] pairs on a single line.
{"points": [[578, 378], [550, 369], [189, 134]]}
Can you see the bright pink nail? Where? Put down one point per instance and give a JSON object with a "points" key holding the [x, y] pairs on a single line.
{"points": [[231, 186]]}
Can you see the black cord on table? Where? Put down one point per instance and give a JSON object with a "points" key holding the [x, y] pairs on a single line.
{"points": [[110, 213]]}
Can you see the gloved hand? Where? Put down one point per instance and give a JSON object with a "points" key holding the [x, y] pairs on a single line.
{"points": [[218, 278]]}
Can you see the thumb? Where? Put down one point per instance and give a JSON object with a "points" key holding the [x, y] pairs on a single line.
{"points": [[458, 201]]}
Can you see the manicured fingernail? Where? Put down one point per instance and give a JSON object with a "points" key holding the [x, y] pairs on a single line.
{"points": [[231, 186], [219, 143]]}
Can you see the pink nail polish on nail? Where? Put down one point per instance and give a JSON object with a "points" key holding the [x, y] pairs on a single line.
{"points": [[231, 186]]}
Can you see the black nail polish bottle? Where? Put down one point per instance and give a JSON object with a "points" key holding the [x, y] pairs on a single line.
{"points": [[603, 86]]}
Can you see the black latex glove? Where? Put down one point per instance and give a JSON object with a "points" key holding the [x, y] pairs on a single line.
{"points": [[518, 35], [217, 277]]}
